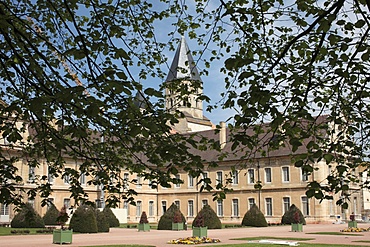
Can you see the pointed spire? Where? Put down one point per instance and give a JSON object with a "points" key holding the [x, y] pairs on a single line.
{"points": [[183, 65], [140, 101]]}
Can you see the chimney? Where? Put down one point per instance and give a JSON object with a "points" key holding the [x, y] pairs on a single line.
{"points": [[223, 135]]}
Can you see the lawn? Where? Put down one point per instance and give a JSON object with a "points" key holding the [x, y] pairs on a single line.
{"points": [[6, 230]]}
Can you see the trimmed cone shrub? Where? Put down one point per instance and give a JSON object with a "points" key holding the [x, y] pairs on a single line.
{"points": [[84, 220], [102, 221], [165, 222], [27, 217], [143, 218], [293, 215], [51, 215], [254, 217], [210, 218], [111, 218]]}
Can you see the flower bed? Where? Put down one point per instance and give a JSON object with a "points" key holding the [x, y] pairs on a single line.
{"points": [[355, 229], [193, 240]]}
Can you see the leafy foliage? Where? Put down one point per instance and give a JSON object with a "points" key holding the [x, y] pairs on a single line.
{"points": [[27, 217], [293, 215], [51, 215], [254, 217], [209, 218], [84, 220], [165, 222], [112, 219], [102, 221]]}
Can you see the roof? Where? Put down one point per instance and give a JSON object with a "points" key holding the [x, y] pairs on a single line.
{"points": [[183, 65]]}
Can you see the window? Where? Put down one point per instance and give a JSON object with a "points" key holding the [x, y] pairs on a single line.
{"points": [[235, 207], [305, 206], [31, 173], [67, 202], [50, 203], [4, 209], [164, 207], [286, 204], [205, 176], [177, 203], [66, 178], [125, 204], [268, 177], [138, 182], [125, 180], [83, 179], [220, 208], [251, 202], [268, 206], [190, 181], [235, 177], [190, 208], [304, 175], [151, 208], [285, 174], [204, 202], [138, 208], [177, 185], [251, 176], [32, 202], [50, 176], [219, 177]]}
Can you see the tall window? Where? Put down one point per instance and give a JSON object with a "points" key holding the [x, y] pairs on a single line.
{"points": [[164, 207], [251, 202], [304, 175], [66, 178], [235, 177], [268, 177], [125, 204], [138, 182], [286, 204], [4, 209], [268, 206], [125, 180], [220, 208], [305, 206], [251, 176], [204, 202], [177, 203], [190, 208], [138, 208], [235, 207], [67, 202], [219, 177], [177, 185], [83, 179], [50, 176], [205, 175], [285, 174], [190, 181], [31, 173], [151, 208]]}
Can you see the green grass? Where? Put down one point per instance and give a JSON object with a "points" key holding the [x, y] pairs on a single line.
{"points": [[336, 233], [121, 245], [277, 238]]}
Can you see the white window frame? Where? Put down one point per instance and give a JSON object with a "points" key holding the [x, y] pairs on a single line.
{"points": [[4, 209], [138, 182], [177, 203], [235, 207], [190, 208], [305, 206], [205, 175], [139, 205], [220, 208], [285, 174], [286, 203], [235, 177], [151, 208], [251, 177], [83, 178], [67, 202], [250, 204], [269, 207], [66, 178], [304, 175], [268, 176], [190, 181], [50, 176], [219, 177], [163, 207], [204, 202], [177, 185], [31, 174]]}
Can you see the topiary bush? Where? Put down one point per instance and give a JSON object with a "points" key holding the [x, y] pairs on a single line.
{"points": [[210, 218], [111, 218], [27, 217], [51, 215], [102, 221], [165, 222], [143, 218], [293, 215], [84, 220], [254, 217]]}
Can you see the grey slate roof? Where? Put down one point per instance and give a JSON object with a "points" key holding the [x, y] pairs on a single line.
{"points": [[183, 65]]}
